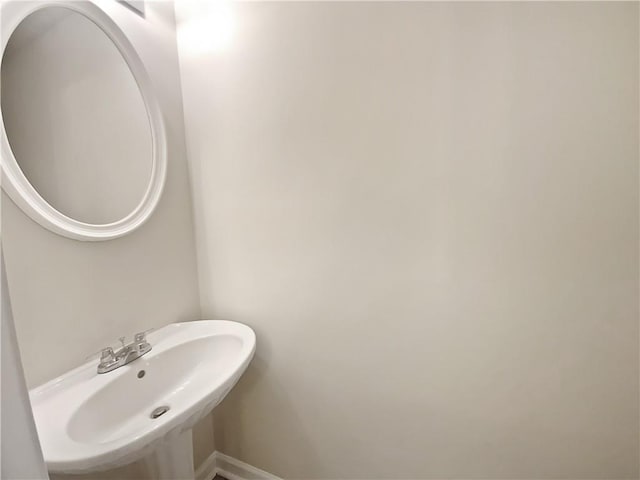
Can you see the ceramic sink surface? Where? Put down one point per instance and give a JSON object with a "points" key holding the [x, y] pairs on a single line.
{"points": [[88, 422]]}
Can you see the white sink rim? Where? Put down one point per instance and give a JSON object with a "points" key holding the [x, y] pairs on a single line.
{"points": [[56, 402]]}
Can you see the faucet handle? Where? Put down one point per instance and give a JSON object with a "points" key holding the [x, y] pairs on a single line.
{"points": [[106, 355], [142, 336]]}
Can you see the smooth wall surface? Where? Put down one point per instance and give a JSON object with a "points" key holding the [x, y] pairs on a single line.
{"points": [[429, 214], [20, 453], [72, 298]]}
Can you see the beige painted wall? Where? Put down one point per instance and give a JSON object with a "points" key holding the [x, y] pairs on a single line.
{"points": [[71, 298], [429, 214]]}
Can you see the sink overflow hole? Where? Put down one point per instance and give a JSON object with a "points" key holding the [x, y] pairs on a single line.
{"points": [[141, 373], [157, 412]]}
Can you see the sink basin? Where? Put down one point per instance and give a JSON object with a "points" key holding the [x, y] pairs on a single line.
{"points": [[90, 422]]}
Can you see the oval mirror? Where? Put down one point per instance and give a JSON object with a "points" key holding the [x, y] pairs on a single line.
{"points": [[83, 139]]}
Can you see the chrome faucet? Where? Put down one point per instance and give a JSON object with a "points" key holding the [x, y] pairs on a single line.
{"points": [[110, 360]]}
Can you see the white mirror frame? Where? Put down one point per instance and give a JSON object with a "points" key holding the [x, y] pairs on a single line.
{"points": [[18, 187]]}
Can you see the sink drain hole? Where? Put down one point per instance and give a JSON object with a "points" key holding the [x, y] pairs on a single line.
{"points": [[157, 412]]}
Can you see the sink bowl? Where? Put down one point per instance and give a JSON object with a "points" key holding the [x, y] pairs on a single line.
{"points": [[90, 422]]}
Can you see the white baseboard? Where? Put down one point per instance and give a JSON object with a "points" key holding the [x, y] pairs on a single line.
{"points": [[230, 468], [207, 469]]}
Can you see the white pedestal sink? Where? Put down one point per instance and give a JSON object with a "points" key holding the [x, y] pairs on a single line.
{"points": [[89, 422]]}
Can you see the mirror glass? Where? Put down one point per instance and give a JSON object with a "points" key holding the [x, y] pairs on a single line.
{"points": [[74, 117]]}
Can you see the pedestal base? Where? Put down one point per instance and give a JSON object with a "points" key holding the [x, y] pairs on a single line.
{"points": [[173, 460]]}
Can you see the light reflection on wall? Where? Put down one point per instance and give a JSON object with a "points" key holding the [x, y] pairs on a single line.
{"points": [[205, 26]]}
